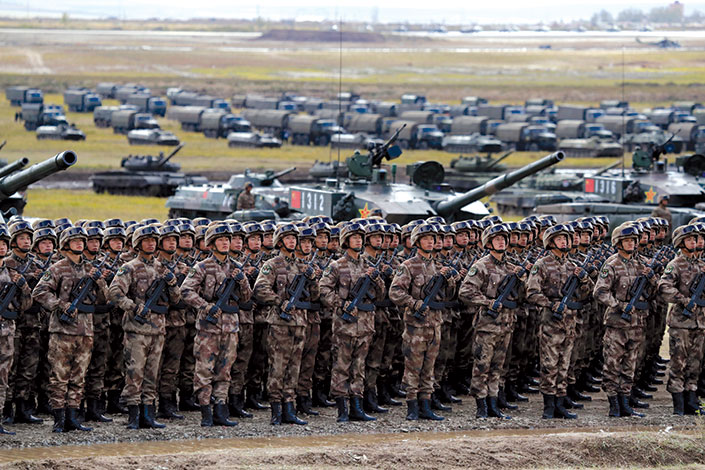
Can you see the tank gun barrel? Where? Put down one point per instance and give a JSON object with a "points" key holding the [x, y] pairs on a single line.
{"points": [[173, 152], [446, 208], [4, 142], [14, 166], [505, 155], [10, 184], [267, 181], [614, 164]]}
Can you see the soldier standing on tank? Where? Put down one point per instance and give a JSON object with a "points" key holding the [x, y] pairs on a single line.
{"points": [[70, 331], [22, 301], [662, 209], [215, 347], [624, 330], [246, 200], [133, 284], [422, 325], [686, 321], [287, 324]]}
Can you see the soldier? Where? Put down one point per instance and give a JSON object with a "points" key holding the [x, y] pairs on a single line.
{"points": [[624, 330], [287, 323], [662, 209], [70, 329], [422, 325], [246, 200], [686, 321], [22, 302], [556, 325], [144, 279]]}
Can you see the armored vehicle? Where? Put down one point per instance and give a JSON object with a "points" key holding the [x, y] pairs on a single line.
{"points": [[145, 175], [218, 201], [253, 139], [125, 120], [152, 137], [35, 115], [647, 140], [472, 143], [591, 147], [353, 141], [332, 169], [417, 136], [524, 136], [60, 132]]}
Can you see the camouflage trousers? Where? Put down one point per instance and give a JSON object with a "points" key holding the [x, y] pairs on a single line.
{"points": [[26, 362], [348, 374], [44, 367], [142, 354], [375, 354], [686, 349], [171, 360], [215, 354], [257, 371], [578, 353], [556, 340], [285, 345], [518, 354], [95, 376], [489, 357], [446, 352], [187, 366], [7, 349], [420, 349], [620, 349], [463, 353], [238, 373], [69, 357], [321, 372], [308, 359], [115, 372], [392, 357]]}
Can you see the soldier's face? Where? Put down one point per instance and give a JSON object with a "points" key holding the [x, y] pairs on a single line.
{"points": [[202, 245], [333, 244], [148, 245], [45, 247], [93, 245], [306, 245], [321, 240], [236, 243], [523, 240], [585, 238], [3, 248], [254, 243], [462, 239], [407, 243], [355, 241], [76, 245], [222, 244], [23, 241], [472, 237], [268, 241], [394, 243], [661, 233], [690, 243], [576, 239], [186, 242], [375, 241], [427, 243], [700, 245], [513, 239], [561, 241], [644, 239], [169, 244], [115, 244], [387, 242], [289, 242], [628, 244], [499, 243], [438, 246]]}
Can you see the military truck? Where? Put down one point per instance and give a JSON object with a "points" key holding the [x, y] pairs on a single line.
{"points": [[473, 100], [523, 136], [17, 95], [662, 117], [260, 102], [122, 92], [106, 89], [252, 140], [580, 113], [646, 140], [502, 112], [102, 115], [368, 123], [271, 121], [36, 114], [417, 136], [81, 100], [179, 97], [691, 133], [222, 124], [190, 116], [591, 147], [419, 117], [123, 121], [155, 105], [579, 129], [467, 125], [311, 130], [619, 125]]}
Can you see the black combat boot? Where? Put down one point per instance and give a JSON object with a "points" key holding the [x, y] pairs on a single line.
{"points": [[133, 419], [93, 411], [570, 404], [425, 411], [385, 398], [8, 413], [167, 408], [526, 387], [561, 412], [289, 414], [502, 401], [634, 402], [304, 405], [678, 404], [446, 394], [549, 406], [576, 395], [624, 408], [320, 399], [147, 418], [590, 378], [412, 410], [342, 404], [206, 416], [356, 411], [114, 406], [23, 413], [43, 403], [614, 407], [436, 403], [639, 393], [187, 402], [237, 406], [692, 404], [276, 413], [220, 415], [253, 400], [370, 403], [71, 423], [493, 410], [396, 390], [512, 394], [481, 408], [59, 419], [5, 431]]}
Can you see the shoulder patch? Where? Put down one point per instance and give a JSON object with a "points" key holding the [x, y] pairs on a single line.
{"points": [[46, 276], [472, 271], [535, 269], [669, 269], [328, 269], [266, 269], [605, 272], [399, 270], [192, 271], [121, 271]]}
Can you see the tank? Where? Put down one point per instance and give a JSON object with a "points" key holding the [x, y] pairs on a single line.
{"points": [[372, 189], [145, 175], [591, 147], [14, 166], [218, 201], [13, 201]]}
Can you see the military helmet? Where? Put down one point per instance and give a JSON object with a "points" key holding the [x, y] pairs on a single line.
{"points": [[166, 231], [623, 232], [375, 229], [18, 228], [200, 232], [144, 231], [695, 220], [447, 230], [335, 232], [321, 227], [172, 222], [462, 226], [43, 223], [130, 229], [62, 220], [360, 220], [128, 223], [198, 221], [555, 230], [236, 229], [350, 229], [149, 221], [113, 223], [61, 227], [682, 232], [494, 231], [93, 233], [94, 223], [435, 219], [69, 234], [5, 234], [217, 230], [421, 230], [284, 230], [185, 228], [252, 228], [113, 232], [80, 222], [307, 233], [268, 226], [44, 233]]}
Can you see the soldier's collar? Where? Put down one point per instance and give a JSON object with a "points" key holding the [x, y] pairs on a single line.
{"points": [[145, 260]]}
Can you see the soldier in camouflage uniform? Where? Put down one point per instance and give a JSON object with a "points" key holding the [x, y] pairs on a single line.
{"points": [[624, 331], [287, 323], [353, 327], [70, 330], [215, 345], [22, 302], [144, 327], [246, 200], [686, 321], [422, 325]]}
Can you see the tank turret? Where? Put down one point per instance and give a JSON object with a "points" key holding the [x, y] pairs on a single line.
{"points": [[151, 163]]}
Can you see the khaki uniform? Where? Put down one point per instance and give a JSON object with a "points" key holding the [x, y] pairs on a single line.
{"points": [[245, 200], [173, 342]]}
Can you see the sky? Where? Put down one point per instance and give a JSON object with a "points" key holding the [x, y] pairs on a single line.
{"points": [[391, 11]]}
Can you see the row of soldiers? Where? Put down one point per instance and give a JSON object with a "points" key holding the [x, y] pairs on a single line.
{"points": [[219, 315]]}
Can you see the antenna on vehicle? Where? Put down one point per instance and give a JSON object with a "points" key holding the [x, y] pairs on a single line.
{"points": [[340, 94], [624, 126]]}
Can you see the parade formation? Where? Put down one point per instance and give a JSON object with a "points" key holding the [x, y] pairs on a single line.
{"points": [[148, 319]]}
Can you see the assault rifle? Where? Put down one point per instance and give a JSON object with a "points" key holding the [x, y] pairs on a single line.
{"points": [[82, 290], [433, 287], [508, 288], [636, 291], [696, 291], [297, 290], [570, 286], [226, 294], [155, 293], [9, 291], [360, 293]]}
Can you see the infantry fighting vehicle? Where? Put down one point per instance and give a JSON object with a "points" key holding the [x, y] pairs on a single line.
{"points": [[591, 147], [152, 137], [218, 201], [60, 132], [145, 175]]}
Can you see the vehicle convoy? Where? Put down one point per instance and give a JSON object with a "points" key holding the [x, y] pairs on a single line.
{"points": [[311, 130], [252, 140], [219, 201], [125, 120], [271, 121], [35, 115], [145, 175], [81, 100], [413, 135], [60, 132], [152, 137], [524, 136], [146, 103], [472, 143], [212, 122], [370, 189], [17, 95], [592, 147]]}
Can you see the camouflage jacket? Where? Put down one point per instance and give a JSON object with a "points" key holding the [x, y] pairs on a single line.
{"points": [[200, 292], [662, 212], [54, 293], [129, 292], [480, 288], [674, 287], [336, 284], [31, 315], [271, 289], [612, 290], [20, 304], [407, 290], [245, 200], [104, 311]]}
